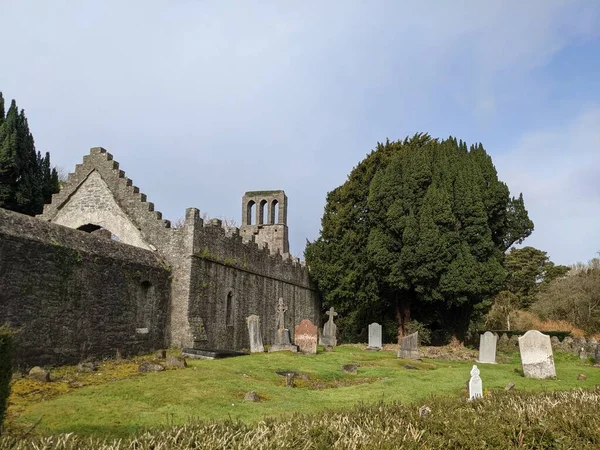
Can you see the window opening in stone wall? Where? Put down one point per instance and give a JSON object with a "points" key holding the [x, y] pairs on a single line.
{"points": [[263, 213], [229, 309], [251, 212], [97, 230], [274, 211], [145, 306]]}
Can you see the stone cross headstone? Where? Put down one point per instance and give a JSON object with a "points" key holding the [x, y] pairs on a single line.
{"points": [[281, 309], [409, 346], [256, 344], [329, 330], [282, 335], [536, 355], [475, 384], [305, 337], [374, 337], [487, 348]]}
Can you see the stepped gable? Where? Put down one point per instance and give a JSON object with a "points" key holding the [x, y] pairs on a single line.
{"points": [[84, 200]]}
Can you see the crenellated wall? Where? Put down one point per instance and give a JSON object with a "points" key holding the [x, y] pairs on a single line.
{"points": [[232, 279]]}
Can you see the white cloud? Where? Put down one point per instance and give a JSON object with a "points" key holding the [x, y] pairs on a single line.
{"points": [[558, 172]]}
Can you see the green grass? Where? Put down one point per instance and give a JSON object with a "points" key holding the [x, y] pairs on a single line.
{"points": [[215, 389]]}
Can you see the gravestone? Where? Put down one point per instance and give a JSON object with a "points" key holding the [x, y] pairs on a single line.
{"points": [[536, 355], [597, 355], [329, 330], [487, 348], [305, 337], [374, 337], [475, 384], [253, 323], [282, 340], [409, 346], [198, 332]]}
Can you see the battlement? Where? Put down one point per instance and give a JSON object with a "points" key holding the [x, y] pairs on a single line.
{"points": [[227, 246]]}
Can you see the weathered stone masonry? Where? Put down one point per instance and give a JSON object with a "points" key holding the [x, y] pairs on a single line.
{"points": [[73, 295], [214, 278]]}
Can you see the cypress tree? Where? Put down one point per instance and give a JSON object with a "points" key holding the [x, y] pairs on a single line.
{"points": [[27, 180]]}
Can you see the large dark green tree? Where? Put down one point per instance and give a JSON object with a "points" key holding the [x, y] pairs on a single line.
{"points": [[417, 232], [27, 180]]}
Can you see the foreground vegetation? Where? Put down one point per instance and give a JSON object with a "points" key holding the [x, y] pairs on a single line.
{"points": [[92, 404], [560, 420]]}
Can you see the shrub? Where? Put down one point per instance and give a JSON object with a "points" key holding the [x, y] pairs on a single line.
{"points": [[6, 353], [510, 333]]}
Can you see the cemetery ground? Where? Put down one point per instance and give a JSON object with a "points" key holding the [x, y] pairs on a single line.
{"points": [[117, 400]]}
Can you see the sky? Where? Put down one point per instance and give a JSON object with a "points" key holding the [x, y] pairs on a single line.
{"points": [[201, 101]]}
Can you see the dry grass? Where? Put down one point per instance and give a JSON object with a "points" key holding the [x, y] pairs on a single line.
{"points": [[559, 420]]}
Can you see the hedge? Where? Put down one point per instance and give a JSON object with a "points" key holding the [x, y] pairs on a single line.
{"points": [[559, 334]]}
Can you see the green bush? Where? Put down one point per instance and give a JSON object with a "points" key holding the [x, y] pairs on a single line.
{"points": [[503, 420], [6, 353]]}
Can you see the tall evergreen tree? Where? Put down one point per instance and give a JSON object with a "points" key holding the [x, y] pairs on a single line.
{"points": [[419, 232], [27, 180]]}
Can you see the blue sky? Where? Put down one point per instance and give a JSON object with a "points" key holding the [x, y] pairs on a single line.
{"points": [[201, 101]]}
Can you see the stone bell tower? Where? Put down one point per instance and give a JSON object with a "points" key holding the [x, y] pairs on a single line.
{"points": [[264, 216]]}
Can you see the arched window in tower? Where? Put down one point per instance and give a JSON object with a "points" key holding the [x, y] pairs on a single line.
{"points": [[229, 309], [251, 213], [274, 211], [263, 213]]}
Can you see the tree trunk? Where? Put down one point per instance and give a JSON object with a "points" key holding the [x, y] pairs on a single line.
{"points": [[402, 315]]}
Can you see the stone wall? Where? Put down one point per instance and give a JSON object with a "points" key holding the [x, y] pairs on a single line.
{"points": [[74, 295], [231, 280], [99, 194]]}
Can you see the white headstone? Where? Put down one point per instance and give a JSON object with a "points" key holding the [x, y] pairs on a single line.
{"points": [[256, 344], [475, 384], [536, 355], [487, 348], [374, 336]]}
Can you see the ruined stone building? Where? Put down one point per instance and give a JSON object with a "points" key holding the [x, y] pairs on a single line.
{"points": [[75, 293]]}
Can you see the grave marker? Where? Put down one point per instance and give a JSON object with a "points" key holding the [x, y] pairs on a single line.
{"points": [[305, 337], [487, 348], [409, 346], [536, 355], [475, 384], [374, 337], [256, 344], [329, 330]]}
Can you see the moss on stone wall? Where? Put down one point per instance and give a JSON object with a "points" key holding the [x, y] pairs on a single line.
{"points": [[6, 353]]}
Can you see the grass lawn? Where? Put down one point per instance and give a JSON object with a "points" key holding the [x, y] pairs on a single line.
{"points": [[215, 389]]}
